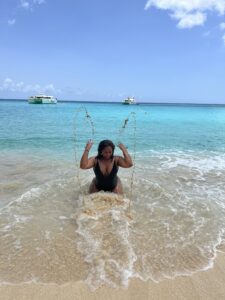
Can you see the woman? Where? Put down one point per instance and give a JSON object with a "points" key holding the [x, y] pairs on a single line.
{"points": [[105, 166]]}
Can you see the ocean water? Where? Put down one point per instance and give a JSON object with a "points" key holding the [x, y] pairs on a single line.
{"points": [[170, 221]]}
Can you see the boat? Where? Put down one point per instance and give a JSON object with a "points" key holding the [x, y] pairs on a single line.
{"points": [[129, 100], [42, 99]]}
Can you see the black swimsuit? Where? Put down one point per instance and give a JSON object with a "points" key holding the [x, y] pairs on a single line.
{"points": [[106, 182]]}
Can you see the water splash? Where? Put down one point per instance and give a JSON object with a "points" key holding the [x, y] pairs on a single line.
{"points": [[82, 119], [104, 239]]}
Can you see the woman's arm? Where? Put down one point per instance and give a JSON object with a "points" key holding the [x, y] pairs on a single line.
{"points": [[85, 162], [125, 161]]}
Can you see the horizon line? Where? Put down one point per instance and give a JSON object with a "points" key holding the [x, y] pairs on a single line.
{"points": [[118, 102]]}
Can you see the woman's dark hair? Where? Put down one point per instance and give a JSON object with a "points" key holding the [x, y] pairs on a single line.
{"points": [[102, 145]]}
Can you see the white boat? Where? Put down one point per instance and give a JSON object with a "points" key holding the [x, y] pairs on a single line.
{"points": [[42, 99], [129, 100]]}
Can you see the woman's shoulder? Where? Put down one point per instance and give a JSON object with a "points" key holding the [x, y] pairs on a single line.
{"points": [[93, 159]]}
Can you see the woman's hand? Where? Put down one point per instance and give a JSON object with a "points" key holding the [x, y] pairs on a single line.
{"points": [[89, 145], [122, 147], [126, 161]]}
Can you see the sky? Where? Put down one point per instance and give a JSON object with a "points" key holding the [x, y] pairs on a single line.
{"points": [[95, 50]]}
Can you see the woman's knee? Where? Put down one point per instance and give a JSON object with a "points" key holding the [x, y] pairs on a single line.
{"points": [[118, 189], [92, 188]]}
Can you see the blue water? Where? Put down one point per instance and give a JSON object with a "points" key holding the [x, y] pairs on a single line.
{"points": [[158, 127], [170, 220]]}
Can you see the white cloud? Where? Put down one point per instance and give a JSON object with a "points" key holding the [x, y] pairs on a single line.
{"points": [[28, 4], [223, 38], [222, 26], [9, 85], [189, 20], [12, 22], [207, 33], [38, 1], [25, 4], [189, 13]]}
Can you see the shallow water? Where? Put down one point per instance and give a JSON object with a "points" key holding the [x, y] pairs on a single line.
{"points": [[170, 220], [171, 224]]}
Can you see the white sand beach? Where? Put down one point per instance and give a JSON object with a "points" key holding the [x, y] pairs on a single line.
{"points": [[205, 285]]}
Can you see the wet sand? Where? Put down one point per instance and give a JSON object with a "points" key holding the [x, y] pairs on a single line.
{"points": [[205, 285]]}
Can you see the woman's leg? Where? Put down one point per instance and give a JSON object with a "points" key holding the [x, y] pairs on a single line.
{"points": [[92, 187], [118, 189]]}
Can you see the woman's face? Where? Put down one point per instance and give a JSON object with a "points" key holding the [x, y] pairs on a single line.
{"points": [[107, 152]]}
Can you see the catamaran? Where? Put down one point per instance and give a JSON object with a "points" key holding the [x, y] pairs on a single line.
{"points": [[129, 100], [42, 99]]}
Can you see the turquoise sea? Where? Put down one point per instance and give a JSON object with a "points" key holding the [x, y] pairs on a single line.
{"points": [[170, 222]]}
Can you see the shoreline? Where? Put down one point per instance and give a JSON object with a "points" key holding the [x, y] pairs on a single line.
{"points": [[208, 284]]}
